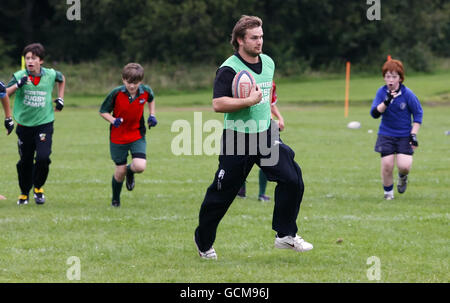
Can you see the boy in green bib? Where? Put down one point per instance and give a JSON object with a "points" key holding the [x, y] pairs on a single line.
{"points": [[34, 114]]}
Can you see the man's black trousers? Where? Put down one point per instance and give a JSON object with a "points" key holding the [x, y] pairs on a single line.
{"points": [[231, 174], [35, 147]]}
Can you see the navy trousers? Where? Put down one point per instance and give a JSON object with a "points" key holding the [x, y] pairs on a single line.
{"points": [[35, 147]]}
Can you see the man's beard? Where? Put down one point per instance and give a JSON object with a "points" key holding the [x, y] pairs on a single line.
{"points": [[252, 52]]}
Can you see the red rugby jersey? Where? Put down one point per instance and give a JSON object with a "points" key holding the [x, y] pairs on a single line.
{"points": [[274, 94], [120, 103]]}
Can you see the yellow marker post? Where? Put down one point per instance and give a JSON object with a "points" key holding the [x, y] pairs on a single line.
{"points": [[347, 87], [23, 62]]}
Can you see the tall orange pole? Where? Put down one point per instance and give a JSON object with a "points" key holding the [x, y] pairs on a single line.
{"points": [[347, 87]]}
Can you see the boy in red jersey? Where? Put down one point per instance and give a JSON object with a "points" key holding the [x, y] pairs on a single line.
{"points": [[127, 129]]}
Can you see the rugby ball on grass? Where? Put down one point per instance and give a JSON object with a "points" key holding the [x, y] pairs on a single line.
{"points": [[242, 84], [354, 125]]}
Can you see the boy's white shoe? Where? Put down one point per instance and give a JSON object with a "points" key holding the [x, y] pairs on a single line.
{"points": [[389, 195], [296, 243]]}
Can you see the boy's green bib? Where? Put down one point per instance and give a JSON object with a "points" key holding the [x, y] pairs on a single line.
{"points": [[33, 103], [256, 118]]}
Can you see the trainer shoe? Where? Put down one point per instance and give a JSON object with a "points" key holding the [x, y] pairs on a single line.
{"points": [[23, 200], [241, 193], [296, 243], [210, 254], [115, 203], [402, 183], [39, 197], [264, 198], [388, 196], [130, 180]]}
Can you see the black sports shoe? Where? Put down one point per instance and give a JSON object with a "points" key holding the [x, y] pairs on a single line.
{"points": [[402, 183], [23, 200], [39, 197], [241, 192], [115, 203], [130, 180]]}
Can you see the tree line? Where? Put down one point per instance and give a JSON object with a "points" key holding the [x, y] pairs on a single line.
{"points": [[297, 33]]}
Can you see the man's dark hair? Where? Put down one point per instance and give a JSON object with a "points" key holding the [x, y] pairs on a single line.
{"points": [[239, 30]]}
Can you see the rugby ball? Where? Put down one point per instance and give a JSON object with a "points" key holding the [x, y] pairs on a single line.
{"points": [[242, 84], [354, 125]]}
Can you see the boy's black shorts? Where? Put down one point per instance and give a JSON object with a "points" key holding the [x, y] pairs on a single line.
{"points": [[35, 139], [387, 145]]}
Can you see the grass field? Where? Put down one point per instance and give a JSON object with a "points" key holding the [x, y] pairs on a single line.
{"points": [[149, 239], [431, 89]]}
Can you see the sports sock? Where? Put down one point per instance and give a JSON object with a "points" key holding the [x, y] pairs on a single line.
{"points": [[401, 176], [129, 170], [116, 189], [262, 183], [389, 190], [281, 235]]}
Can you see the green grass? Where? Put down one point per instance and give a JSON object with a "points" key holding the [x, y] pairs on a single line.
{"points": [[149, 239], [190, 85], [430, 89], [100, 77]]}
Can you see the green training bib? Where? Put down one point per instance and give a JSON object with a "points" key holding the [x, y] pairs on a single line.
{"points": [[33, 103], [256, 118]]}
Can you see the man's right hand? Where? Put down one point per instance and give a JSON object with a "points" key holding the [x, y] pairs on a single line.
{"points": [[22, 81], [255, 95]]}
